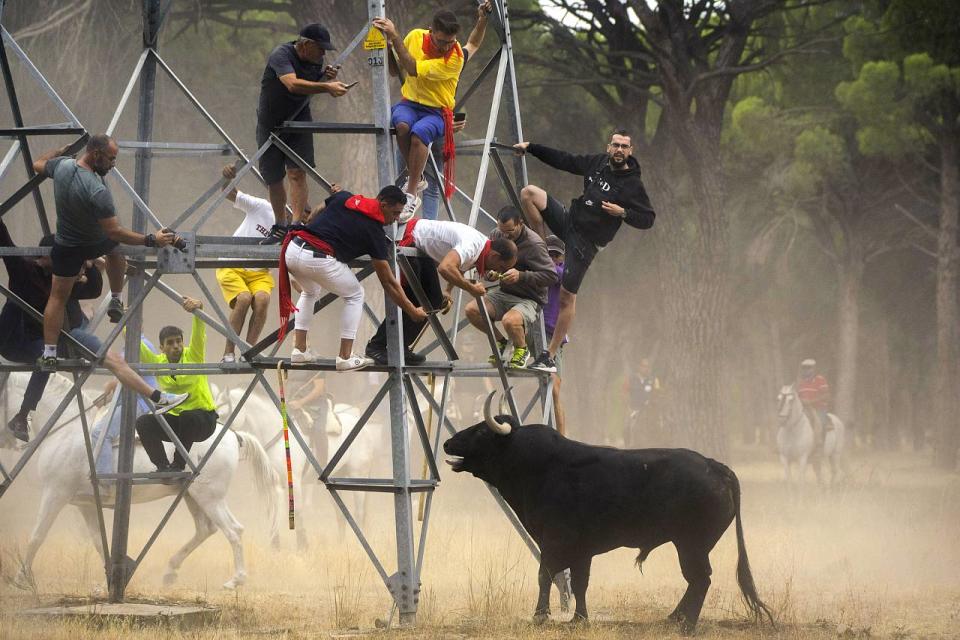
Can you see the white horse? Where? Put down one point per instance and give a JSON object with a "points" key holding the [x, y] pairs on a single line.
{"points": [[64, 476], [795, 439], [261, 418]]}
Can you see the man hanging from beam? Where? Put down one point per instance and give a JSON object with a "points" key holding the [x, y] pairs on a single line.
{"points": [[613, 193], [432, 60], [87, 228]]}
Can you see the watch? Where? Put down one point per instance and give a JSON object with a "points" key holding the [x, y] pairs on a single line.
{"points": [[149, 240]]}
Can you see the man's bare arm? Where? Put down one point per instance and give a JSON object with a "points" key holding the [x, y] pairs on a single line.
{"points": [[475, 40], [407, 63], [40, 164], [449, 269], [303, 87]]}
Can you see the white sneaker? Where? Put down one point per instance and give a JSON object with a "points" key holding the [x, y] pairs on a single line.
{"points": [[228, 358], [421, 186], [353, 363], [409, 209], [301, 357], [169, 401]]}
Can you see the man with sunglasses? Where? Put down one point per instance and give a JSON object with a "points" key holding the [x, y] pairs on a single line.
{"points": [[613, 193], [294, 72], [432, 60]]}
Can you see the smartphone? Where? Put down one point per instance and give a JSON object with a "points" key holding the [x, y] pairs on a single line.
{"points": [[460, 117], [353, 84]]}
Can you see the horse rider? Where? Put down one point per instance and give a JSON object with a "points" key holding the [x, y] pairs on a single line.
{"points": [[814, 394]]}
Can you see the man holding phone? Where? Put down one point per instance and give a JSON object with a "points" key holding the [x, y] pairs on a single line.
{"points": [[294, 72]]}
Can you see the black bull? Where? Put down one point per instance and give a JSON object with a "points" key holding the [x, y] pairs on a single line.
{"points": [[577, 500]]}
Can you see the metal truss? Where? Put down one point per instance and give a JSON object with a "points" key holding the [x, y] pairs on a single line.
{"points": [[404, 387]]}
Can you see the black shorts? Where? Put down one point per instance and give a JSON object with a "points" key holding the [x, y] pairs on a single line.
{"points": [[274, 163], [579, 253], [68, 261]]}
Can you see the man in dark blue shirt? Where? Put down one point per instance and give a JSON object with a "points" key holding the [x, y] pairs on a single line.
{"points": [[318, 254], [294, 72]]}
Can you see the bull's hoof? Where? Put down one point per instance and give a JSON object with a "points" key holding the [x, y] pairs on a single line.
{"points": [[541, 617], [688, 628], [169, 578], [275, 543], [579, 620]]}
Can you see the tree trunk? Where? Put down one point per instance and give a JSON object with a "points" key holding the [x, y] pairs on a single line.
{"points": [[946, 386], [693, 248], [850, 279]]}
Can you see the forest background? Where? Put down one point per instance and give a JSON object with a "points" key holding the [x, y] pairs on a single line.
{"points": [[802, 156]]}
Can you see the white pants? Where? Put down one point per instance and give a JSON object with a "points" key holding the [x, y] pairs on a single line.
{"points": [[316, 274]]}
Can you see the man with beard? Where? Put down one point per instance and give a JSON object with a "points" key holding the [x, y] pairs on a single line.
{"points": [[196, 419], [613, 193], [87, 228]]}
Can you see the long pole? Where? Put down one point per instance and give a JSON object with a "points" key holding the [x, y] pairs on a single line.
{"points": [[121, 565]]}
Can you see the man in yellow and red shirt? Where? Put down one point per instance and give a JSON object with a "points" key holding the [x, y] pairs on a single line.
{"points": [[432, 60]]}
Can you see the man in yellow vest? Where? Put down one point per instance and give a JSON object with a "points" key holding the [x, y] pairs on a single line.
{"points": [[432, 60], [196, 419]]}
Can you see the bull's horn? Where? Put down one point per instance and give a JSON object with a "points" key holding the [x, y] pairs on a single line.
{"points": [[496, 427]]}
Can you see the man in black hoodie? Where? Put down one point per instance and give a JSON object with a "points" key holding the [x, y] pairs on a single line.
{"points": [[613, 193]]}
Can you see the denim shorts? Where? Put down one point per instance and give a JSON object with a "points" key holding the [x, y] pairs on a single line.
{"points": [[425, 122]]}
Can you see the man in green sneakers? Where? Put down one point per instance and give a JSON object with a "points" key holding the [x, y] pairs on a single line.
{"points": [[523, 289]]}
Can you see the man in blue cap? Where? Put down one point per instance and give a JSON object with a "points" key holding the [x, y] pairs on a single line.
{"points": [[294, 72]]}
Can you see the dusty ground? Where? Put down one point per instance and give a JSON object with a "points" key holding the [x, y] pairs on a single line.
{"points": [[876, 558]]}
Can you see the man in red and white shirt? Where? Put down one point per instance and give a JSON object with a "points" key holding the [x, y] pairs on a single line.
{"points": [[452, 249], [814, 393]]}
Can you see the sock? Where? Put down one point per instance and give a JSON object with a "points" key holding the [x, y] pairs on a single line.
{"points": [[115, 295], [49, 351], [155, 396]]}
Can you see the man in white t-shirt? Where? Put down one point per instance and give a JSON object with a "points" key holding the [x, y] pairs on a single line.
{"points": [[244, 289], [453, 248]]}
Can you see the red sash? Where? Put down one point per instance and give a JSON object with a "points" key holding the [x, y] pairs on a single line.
{"points": [[286, 303], [482, 259], [407, 239], [449, 146]]}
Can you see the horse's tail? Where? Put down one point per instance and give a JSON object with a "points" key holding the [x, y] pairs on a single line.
{"points": [[265, 478], [744, 577]]}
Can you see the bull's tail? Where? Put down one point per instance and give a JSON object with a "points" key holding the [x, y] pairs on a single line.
{"points": [[744, 577]]}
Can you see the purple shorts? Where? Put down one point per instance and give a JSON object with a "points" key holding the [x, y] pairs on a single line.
{"points": [[425, 122]]}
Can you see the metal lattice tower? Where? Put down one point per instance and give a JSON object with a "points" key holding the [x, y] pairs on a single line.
{"points": [[404, 384]]}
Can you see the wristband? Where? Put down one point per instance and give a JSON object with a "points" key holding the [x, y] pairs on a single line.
{"points": [[149, 240]]}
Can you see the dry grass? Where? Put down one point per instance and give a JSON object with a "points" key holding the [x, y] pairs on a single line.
{"points": [[876, 558]]}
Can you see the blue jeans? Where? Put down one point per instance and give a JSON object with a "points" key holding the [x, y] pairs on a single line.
{"points": [[26, 351]]}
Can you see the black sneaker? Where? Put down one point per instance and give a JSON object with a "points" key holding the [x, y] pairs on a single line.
{"points": [[544, 363], [20, 428], [413, 359], [277, 234], [379, 356], [47, 364], [115, 310]]}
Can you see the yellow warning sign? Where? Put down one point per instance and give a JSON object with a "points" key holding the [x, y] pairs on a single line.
{"points": [[375, 40]]}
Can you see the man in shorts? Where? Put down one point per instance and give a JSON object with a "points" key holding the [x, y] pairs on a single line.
{"points": [[246, 289], [294, 72], [613, 193], [523, 288], [87, 228]]}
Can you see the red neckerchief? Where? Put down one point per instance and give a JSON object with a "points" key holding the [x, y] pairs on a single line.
{"points": [[482, 259], [431, 52], [449, 146], [406, 240], [286, 303], [367, 206]]}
